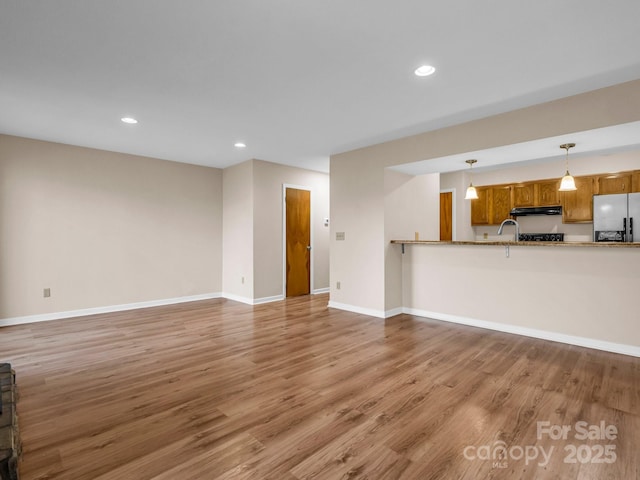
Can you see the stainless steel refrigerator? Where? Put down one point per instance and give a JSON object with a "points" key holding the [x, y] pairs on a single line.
{"points": [[614, 216]]}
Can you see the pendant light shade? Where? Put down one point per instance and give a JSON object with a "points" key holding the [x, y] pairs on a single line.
{"points": [[472, 194], [567, 184]]}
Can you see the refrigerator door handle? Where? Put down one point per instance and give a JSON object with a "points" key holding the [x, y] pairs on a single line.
{"points": [[624, 229], [631, 229]]}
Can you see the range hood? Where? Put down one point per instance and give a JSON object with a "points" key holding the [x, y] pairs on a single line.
{"points": [[524, 211]]}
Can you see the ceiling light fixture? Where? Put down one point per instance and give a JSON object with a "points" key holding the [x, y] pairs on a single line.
{"points": [[472, 194], [129, 120], [568, 184], [424, 71], [239, 145]]}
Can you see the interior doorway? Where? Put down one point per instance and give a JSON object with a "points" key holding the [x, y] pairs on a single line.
{"points": [[297, 241]]}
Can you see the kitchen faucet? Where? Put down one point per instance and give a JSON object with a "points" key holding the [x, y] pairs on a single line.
{"points": [[513, 222]]}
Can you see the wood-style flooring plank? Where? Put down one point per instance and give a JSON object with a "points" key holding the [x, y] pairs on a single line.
{"points": [[295, 390]]}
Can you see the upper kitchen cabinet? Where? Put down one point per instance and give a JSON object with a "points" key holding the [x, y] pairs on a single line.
{"points": [[524, 195], [547, 193], [492, 205], [480, 207], [635, 181], [615, 183], [577, 206], [500, 203], [541, 193]]}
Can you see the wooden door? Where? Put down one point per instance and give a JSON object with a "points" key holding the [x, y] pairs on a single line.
{"points": [[446, 216], [298, 242]]}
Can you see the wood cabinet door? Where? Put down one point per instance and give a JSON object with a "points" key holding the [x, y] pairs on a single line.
{"points": [[548, 194], [480, 207], [524, 195], [577, 206], [635, 181], [618, 183], [500, 204]]}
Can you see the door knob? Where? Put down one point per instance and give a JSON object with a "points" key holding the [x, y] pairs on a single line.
{"points": [[308, 247]]}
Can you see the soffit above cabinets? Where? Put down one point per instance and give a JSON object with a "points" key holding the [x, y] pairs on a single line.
{"points": [[591, 142]]}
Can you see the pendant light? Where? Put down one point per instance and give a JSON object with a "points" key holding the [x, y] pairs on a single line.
{"points": [[568, 184], [472, 194]]}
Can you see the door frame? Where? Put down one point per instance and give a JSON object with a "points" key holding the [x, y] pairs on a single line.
{"points": [[453, 210], [284, 235]]}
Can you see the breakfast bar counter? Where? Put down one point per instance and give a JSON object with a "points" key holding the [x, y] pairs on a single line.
{"points": [[520, 244]]}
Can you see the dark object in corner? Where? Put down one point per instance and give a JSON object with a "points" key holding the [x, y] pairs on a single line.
{"points": [[9, 435]]}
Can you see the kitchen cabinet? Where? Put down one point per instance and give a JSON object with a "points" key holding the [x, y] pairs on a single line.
{"points": [[492, 205], [524, 195], [480, 207], [635, 181], [577, 206], [500, 204], [547, 193], [496, 201], [616, 183]]}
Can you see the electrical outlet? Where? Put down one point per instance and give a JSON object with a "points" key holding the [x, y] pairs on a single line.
{"points": [[242, 280], [47, 292], [340, 236], [337, 285]]}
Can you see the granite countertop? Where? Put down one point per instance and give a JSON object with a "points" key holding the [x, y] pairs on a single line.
{"points": [[521, 244]]}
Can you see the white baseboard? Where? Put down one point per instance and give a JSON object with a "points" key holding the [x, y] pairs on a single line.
{"points": [[318, 291], [238, 298], [354, 309], [631, 350], [393, 312], [366, 311], [252, 301], [275, 298], [44, 317]]}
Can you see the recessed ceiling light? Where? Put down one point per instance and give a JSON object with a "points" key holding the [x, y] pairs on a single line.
{"points": [[239, 145], [424, 70], [129, 120]]}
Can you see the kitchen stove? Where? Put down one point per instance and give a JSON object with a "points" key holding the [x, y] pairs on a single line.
{"points": [[541, 237]]}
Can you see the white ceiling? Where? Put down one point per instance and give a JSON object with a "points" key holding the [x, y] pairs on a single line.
{"points": [[295, 80]]}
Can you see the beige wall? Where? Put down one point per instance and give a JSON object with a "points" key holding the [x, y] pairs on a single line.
{"points": [[357, 179], [357, 209], [584, 292], [237, 227], [411, 205], [102, 228], [268, 179]]}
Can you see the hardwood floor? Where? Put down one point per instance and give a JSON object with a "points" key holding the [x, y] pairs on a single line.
{"points": [[294, 390]]}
